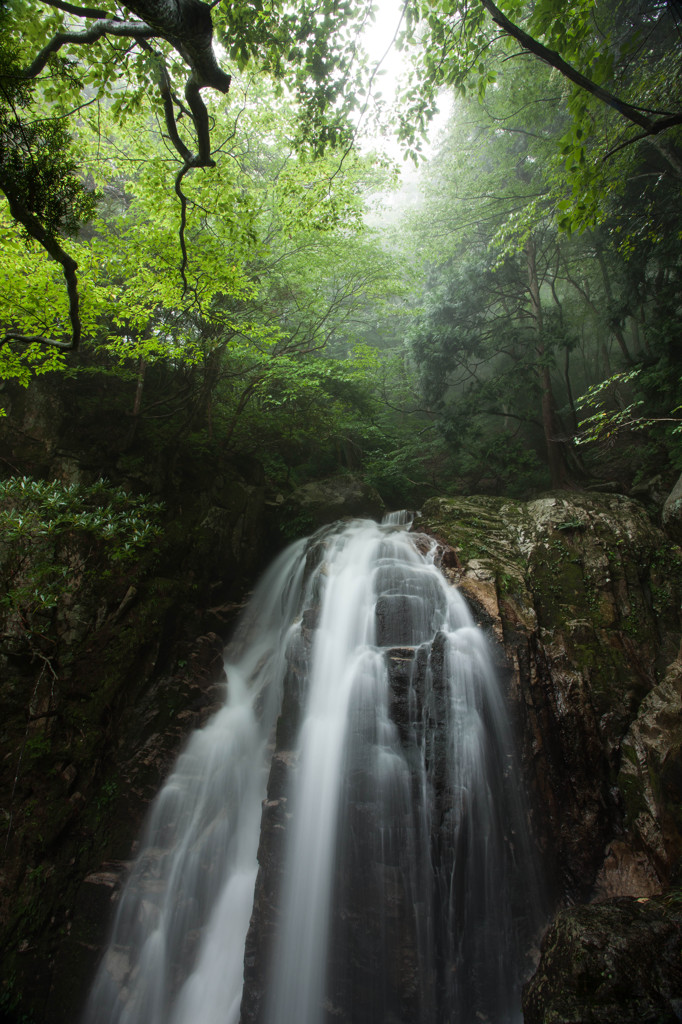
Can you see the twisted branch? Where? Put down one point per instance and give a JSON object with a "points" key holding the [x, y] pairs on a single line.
{"points": [[112, 26], [69, 266], [188, 27]]}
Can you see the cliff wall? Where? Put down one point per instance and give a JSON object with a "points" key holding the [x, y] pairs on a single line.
{"points": [[582, 595]]}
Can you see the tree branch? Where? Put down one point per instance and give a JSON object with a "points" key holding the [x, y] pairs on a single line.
{"points": [[81, 12], [169, 114], [129, 29], [551, 57], [183, 223], [69, 267], [201, 123], [38, 339], [188, 27]]}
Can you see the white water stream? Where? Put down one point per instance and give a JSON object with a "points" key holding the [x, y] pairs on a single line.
{"points": [[407, 885]]}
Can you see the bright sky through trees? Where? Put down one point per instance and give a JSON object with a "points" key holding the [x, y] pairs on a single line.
{"points": [[392, 69]]}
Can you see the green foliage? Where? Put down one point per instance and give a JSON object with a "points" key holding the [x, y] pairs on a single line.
{"points": [[284, 328], [33, 509], [604, 423], [107, 796], [487, 353], [628, 50], [477, 361], [313, 48], [31, 361], [37, 168], [11, 1000], [409, 466], [53, 536], [268, 236], [59, 64], [301, 416], [36, 747]]}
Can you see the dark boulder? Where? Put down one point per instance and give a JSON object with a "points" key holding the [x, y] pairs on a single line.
{"points": [[324, 501], [618, 961]]}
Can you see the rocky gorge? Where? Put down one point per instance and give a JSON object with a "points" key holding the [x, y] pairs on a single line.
{"points": [[580, 596]]}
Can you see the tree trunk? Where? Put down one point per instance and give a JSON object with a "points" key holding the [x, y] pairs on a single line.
{"points": [[614, 324], [569, 390], [142, 366], [554, 445], [241, 405], [137, 403]]}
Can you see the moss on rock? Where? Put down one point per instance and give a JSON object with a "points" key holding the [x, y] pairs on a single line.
{"points": [[588, 595]]}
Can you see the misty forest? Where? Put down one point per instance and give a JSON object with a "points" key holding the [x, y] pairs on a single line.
{"points": [[385, 297]]}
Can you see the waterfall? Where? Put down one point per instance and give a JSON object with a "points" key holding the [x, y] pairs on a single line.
{"points": [[346, 839]]}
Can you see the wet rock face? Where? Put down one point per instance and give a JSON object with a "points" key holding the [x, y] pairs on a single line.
{"points": [[584, 595], [650, 777], [672, 513], [96, 708], [607, 962], [324, 501]]}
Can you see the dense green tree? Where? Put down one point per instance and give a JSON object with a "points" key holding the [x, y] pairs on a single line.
{"points": [[520, 318], [488, 230], [244, 224], [281, 283], [615, 63], [247, 305], [119, 55], [38, 178]]}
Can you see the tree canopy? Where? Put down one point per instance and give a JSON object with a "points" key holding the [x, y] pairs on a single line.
{"points": [[124, 55], [186, 210]]}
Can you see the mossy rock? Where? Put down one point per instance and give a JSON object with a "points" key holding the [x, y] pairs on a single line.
{"points": [[615, 961], [587, 591]]}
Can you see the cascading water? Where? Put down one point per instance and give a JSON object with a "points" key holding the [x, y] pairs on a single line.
{"points": [[364, 739]]}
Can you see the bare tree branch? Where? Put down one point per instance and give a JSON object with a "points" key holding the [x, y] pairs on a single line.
{"points": [[183, 223], [201, 123], [169, 114], [80, 12]]}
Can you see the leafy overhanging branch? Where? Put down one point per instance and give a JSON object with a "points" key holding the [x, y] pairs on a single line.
{"points": [[604, 424], [35, 229], [555, 60], [188, 27], [249, 31], [110, 26], [43, 194]]}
